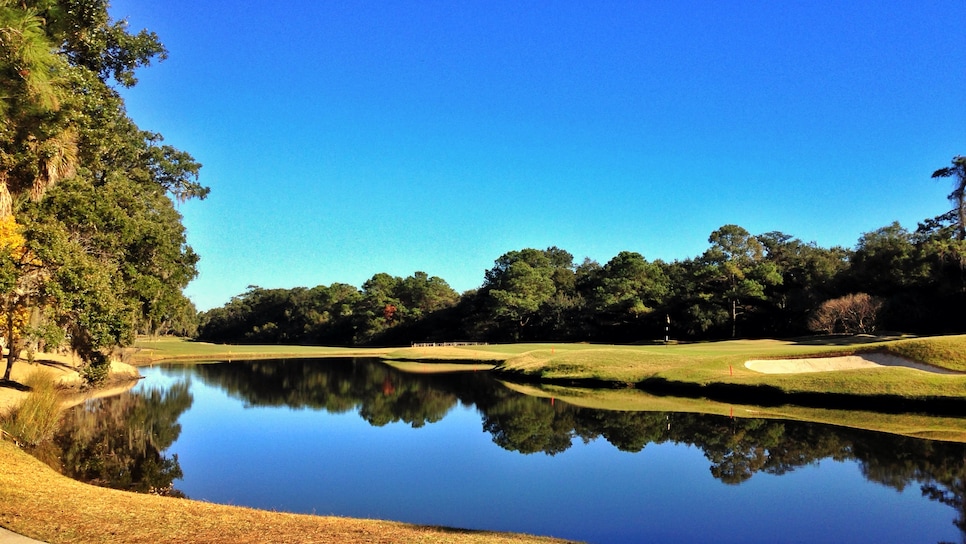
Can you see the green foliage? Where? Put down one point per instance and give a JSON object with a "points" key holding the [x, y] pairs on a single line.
{"points": [[96, 369], [736, 270], [628, 288], [338, 314], [529, 289], [767, 285], [92, 190]]}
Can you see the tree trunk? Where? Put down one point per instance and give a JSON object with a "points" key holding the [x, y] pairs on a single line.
{"points": [[734, 317], [11, 350], [961, 220], [6, 201], [10, 361]]}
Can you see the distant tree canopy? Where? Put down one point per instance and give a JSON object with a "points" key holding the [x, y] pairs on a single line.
{"points": [[766, 285], [94, 249], [338, 314]]}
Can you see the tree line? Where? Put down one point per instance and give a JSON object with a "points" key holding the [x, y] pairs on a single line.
{"points": [[743, 285], [92, 248]]}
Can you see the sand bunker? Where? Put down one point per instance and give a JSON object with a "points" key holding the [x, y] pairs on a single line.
{"points": [[828, 364]]}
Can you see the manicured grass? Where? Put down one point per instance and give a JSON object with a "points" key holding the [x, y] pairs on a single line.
{"points": [[701, 363], [723, 363], [42, 504], [942, 351], [148, 351]]}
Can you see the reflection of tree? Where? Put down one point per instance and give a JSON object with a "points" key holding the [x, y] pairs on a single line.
{"points": [[118, 441], [409, 402], [736, 448], [380, 393], [627, 431], [528, 425], [939, 468]]}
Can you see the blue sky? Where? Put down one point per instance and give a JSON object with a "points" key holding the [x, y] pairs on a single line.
{"points": [[341, 139]]}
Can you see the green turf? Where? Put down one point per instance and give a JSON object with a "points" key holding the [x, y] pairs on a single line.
{"points": [[701, 363]]}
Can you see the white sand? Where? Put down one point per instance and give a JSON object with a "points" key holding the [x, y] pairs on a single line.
{"points": [[828, 364]]}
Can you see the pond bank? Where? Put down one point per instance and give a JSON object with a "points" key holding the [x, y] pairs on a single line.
{"points": [[716, 369], [44, 505], [66, 373], [30, 492]]}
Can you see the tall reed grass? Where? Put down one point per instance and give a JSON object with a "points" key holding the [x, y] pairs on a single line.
{"points": [[38, 416]]}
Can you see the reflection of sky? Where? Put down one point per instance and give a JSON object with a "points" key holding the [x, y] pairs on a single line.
{"points": [[451, 473]]}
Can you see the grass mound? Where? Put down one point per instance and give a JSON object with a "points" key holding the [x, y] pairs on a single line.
{"points": [[942, 351]]}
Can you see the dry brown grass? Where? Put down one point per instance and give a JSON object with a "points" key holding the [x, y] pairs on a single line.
{"points": [[37, 502], [36, 418]]}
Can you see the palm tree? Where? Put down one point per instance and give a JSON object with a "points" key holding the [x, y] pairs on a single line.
{"points": [[33, 155], [958, 172]]}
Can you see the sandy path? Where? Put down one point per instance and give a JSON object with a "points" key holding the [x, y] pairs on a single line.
{"points": [[828, 364]]}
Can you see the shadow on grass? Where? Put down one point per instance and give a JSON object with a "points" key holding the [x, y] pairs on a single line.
{"points": [[52, 364], [10, 384], [770, 396]]}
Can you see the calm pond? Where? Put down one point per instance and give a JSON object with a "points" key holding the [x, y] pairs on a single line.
{"points": [[359, 438]]}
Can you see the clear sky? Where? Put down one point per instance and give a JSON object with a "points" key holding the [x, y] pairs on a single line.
{"points": [[345, 138]]}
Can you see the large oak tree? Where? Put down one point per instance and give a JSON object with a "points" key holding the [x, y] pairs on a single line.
{"points": [[90, 192]]}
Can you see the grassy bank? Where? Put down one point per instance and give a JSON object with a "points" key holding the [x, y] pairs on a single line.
{"points": [[34, 419], [42, 504], [722, 364], [147, 351], [698, 365], [39, 503], [950, 429]]}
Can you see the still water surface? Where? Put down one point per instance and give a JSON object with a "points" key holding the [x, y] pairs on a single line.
{"points": [[360, 439]]}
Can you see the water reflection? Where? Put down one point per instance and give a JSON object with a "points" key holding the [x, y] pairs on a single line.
{"points": [[736, 448], [119, 441], [127, 435]]}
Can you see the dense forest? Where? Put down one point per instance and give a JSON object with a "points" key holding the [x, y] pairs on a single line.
{"points": [[743, 285], [92, 248]]}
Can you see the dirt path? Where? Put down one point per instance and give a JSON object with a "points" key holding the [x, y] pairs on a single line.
{"points": [[9, 537]]}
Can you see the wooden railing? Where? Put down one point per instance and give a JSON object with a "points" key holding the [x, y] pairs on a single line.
{"points": [[447, 344]]}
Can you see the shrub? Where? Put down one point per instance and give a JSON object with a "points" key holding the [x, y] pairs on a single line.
{"points": [[857, 313], [96, 370]]}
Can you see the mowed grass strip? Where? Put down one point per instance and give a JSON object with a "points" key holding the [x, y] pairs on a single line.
{"points": [[700, 363], [37, 502], [723, 363], [148, 351], [943, 351]]}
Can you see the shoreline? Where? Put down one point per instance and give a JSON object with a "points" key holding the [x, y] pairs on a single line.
{"points": [[20, 490]]}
